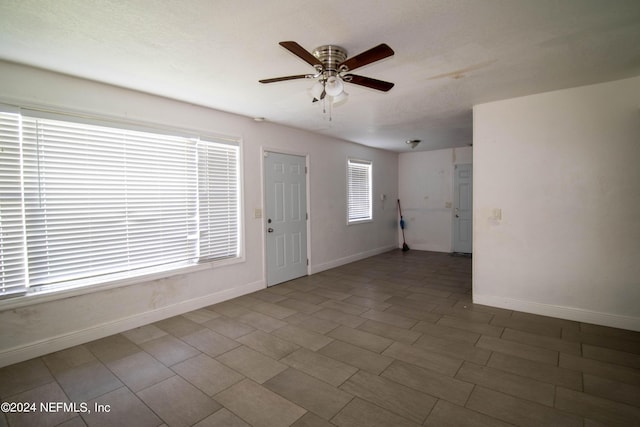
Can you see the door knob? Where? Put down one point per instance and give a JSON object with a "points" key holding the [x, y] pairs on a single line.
{"points": [[269, 230]]}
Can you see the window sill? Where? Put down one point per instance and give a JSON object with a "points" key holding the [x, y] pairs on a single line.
{"points": [[39, 297], [363, 221]]}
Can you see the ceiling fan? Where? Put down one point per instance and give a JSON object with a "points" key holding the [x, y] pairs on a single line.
{"points": [[333, 68]]}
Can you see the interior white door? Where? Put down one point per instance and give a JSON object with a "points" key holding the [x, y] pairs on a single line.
{"points": [[285, 216], [463, 208]]}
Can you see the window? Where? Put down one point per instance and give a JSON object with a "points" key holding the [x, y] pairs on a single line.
{"points": [[358, 191], [83, 204]]}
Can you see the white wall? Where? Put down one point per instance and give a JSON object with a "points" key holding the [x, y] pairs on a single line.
{"points": [[564, 167], [425, 180], [28, 330]]}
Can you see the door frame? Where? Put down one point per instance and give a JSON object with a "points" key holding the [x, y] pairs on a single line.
{"points": [[263, 151]]}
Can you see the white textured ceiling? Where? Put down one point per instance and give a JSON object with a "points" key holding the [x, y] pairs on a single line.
{"points": [[449, 55]]}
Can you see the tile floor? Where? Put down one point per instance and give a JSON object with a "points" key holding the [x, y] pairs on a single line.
{"points": [[392, 340]]}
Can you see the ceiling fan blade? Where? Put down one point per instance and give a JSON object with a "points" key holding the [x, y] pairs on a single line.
{"points": [[372, 55], [281, 79], [368, 82], [301, 53]]}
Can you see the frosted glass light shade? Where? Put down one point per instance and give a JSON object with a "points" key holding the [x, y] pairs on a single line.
{"points": [[334, 86]]}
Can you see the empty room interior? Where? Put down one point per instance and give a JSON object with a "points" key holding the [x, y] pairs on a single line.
{"points": [[291, 213]]}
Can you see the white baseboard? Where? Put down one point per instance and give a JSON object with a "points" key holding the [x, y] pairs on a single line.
{"points": [[82, 336], [313, 269], [562, 312]]}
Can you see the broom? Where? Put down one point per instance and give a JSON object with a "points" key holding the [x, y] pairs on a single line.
{"points": [[405, 247]]}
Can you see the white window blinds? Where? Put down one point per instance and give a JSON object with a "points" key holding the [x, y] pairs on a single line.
{"points": [[12, 237], [358, 190], [92, 203]]}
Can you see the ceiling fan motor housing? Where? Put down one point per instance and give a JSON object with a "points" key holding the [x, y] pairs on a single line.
{"points": [[331, 56]]}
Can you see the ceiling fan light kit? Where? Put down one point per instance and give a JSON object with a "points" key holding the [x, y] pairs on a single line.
{"points": [[332, 71]]}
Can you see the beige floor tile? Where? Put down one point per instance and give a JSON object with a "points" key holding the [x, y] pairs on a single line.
{"points": [[361, 413], [424, 358], [519, 350], [69, 358], [252, 364], [112, 348], [315, 324], [169, 349], [344, 307], [307, 297], [612, 332], [465, 314], [405, 302], [606, 370], [207, 374], [23, 376], [368, 303], [339, 317], [606, 341], [310, 393], [144, 333], [505, 382], [201, 316], [263, 307], [429, 382], [362, 339], [412, 313], [372, 294], [139, 370], [228, 327], [260, 321], [612, 390], [446, 414], [222, 418], [536, 370], [542, 341], [518, 411], [319, 366], [268, 344], [616, 357], [119, 408], [303, 337], [87, 381], [388, 331], [311, 420], [73, 422], [45, 393], [390, 318], [453, 348], [300, 306], [597, 408], [440, 331], [191, 407], [479, 328], [229, 309], [259, 406], [527, 326], [390, 395], [331, 294], [356, 356], [178, 326], [267, 296], [210, 342]]}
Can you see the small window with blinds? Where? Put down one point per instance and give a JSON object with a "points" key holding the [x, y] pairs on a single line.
{"points": [[83, 204], [358, 191]]}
